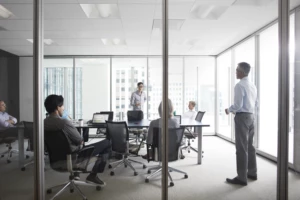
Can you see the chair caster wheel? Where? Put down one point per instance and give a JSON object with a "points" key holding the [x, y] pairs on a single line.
{"points": [[8, 161], [189, 151], [23, 169], [2, 156], [171, 184], [135, 173], [149, 172], [71, 190], [170, 170], [98, 188], [146, 180], [27, 156], [186, 176], [109, 166], [144, 166], [112, 173], [125, 166], [49, 191]]}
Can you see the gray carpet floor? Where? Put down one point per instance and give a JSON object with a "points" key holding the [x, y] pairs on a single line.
{"points": [[206, 181]]}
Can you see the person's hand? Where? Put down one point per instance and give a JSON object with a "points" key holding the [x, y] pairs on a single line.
{"points": [[11, 121], [138, 104], [226, 111]]}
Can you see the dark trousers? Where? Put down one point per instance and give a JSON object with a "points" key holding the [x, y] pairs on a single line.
{"points": [[102, 149], [245, 151]]}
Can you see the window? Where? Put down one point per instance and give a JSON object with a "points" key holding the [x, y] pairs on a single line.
{"points": [[268, 96], [224, 93], [130, 68], [58, 79], [91, 72], [200, 87]]}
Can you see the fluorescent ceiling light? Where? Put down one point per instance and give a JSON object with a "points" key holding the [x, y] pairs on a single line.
{"points": [[46, 41], [4, 13], [208, 11], [174, 24], [100, 10], [114, 41]]}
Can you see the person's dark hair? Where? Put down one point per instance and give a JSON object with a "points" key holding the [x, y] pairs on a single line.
{"points": [[245, 67], [52, 102], [140, 83]]}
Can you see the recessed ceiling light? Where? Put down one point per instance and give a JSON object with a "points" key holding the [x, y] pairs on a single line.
{"points": [[4, 13], [114, 41], [208, 11], [46, 41], [100, 10]]}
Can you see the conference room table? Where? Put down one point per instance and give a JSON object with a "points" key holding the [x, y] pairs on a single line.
{"points": [[144, 123]]}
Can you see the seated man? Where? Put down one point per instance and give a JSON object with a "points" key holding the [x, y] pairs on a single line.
{"points": [[172, 123], [6, 120], [54, 105], [191, 114]]}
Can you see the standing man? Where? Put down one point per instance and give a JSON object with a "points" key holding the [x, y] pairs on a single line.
{"points": [[6, 120], [138, 97], [245, 102]]}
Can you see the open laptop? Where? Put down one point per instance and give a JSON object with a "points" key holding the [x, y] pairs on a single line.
{"points": [[99, 118]]}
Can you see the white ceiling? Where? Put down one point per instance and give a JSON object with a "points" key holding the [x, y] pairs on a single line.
{"points": [[197, 27]]}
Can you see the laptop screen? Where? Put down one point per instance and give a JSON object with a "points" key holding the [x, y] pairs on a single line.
{"points": [[100, 118]]}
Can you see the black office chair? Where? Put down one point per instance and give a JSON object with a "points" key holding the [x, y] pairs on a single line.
{"points": [[110, 118], [7, 137], [136, 115], [154, 151], [117, 133], [28, 133], [191, 135], [63, 160]]}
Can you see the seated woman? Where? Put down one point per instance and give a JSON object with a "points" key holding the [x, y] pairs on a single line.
{"points": [[172, 123]]}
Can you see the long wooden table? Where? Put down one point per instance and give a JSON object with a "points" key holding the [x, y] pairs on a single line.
{"points": [[144, 123]]}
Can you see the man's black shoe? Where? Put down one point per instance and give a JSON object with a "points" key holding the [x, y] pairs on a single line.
{"points": [[236, 181], [252, 177]]}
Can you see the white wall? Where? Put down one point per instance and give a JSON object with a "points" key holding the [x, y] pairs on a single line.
{"points": [[26, 89]]}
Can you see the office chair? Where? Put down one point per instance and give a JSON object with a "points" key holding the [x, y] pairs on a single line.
{"points": [[110, 118], [117, 133], [154, 151], [28, 133], [191, 135], [9, 136], [63, 160], [136, 115]]}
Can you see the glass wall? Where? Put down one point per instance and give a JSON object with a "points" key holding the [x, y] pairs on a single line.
{"points": [[224, 93]]}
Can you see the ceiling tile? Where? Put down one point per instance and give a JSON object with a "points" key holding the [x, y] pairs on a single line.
{"points": [[63, 11], [176, 11], [139, 11], [20, 11], [15, 25], [83, 25]]}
